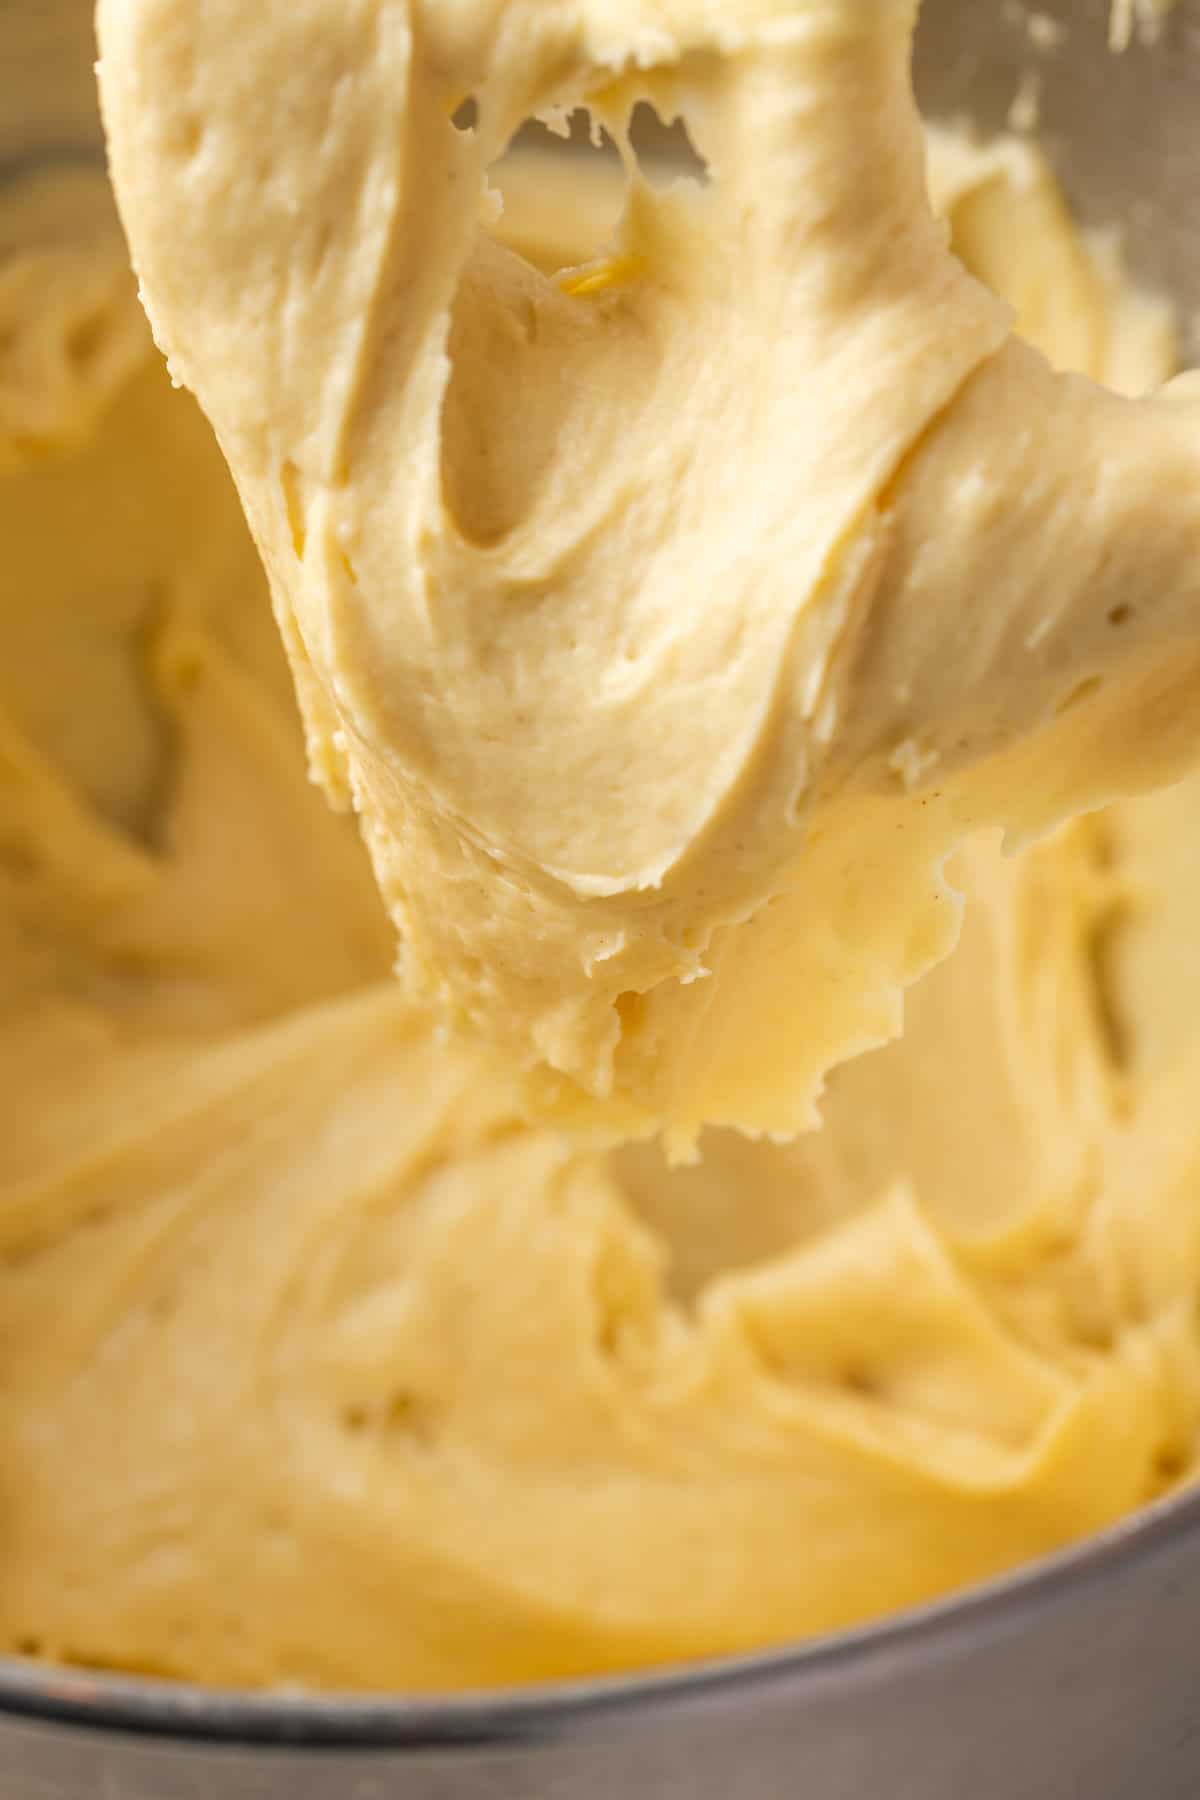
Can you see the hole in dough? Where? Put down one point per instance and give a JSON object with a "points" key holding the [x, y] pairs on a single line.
{"points": [[546, 280]]}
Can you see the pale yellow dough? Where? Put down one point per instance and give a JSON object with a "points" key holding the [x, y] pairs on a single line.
{"points": [[668, 623], [318, 1365]]}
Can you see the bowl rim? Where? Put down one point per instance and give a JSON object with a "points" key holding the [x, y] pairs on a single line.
{"points": [[556, 1712]]}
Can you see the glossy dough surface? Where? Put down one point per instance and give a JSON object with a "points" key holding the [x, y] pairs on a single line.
{"points": [[316, 1363]]}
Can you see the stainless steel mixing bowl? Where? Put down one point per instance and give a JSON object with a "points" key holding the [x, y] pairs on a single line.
{"points": [[1077, 1679]]}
